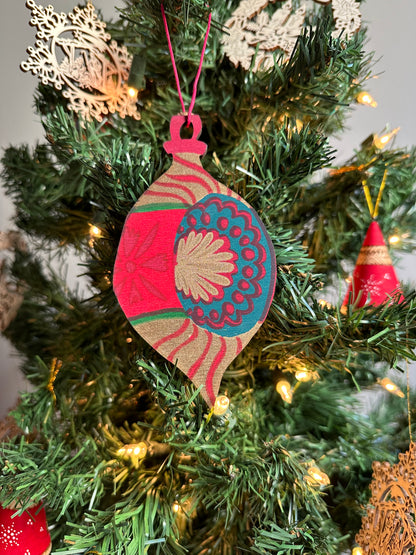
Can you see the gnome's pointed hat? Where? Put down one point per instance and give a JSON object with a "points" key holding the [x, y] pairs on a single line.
{"points": [[374, 279]]}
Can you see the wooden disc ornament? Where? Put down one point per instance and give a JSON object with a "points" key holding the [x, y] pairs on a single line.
{"points": [[74, 53], [195, 269], [389, 527]]}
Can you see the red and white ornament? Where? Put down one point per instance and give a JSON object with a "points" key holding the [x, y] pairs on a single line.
{"points": [[26, 534], [374, 279]]}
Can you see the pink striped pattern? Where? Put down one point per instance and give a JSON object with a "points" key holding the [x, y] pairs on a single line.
{"points": [[200, 171], [211, 372]]}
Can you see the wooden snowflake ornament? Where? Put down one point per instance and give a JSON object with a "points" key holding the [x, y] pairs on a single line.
{"points": [[11, 295], [195, 269], [74, 53], [389, 528], [252, 32]]}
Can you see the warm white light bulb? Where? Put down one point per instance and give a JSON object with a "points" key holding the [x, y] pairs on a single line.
{"points": [[140, 450], [95, 231], [394, 239], [175, 507], [391, 387], [366, 98], [303, 375], [221, 405], [284, 389], [383, 140], [132, 92], [319, 476], [357, 551], [133, 450]]}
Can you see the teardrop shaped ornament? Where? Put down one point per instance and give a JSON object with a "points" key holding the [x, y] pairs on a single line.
{"points": [[195, 270]]}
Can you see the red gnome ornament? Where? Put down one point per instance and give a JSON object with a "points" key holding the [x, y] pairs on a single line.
{"points": [[26, 534], [374, 279]]}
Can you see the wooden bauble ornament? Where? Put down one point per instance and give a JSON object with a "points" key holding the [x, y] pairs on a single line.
{"points": [[25, 534], [389, 527], [374, 279], [195, 269], [11, 294]]}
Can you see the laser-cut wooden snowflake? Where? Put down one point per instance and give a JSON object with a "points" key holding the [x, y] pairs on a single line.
{"points": [[251, 31], [73, 52], [389, 527]]}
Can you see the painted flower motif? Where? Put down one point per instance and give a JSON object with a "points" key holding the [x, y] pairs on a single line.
{"points": [[204, 265], [134, 261]]}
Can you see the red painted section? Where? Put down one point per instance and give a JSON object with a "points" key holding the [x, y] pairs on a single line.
{"points": [[144, 278]]}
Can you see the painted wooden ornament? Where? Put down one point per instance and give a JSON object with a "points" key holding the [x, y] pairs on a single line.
{"points": [[11, 294], [195, 269], [389, 527], [252, 34], [74, 53]]}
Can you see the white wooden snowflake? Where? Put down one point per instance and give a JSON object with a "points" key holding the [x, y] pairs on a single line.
{"points": [[11, 294], [347, 17], [73, 52], [389, 527], [252, 32]]}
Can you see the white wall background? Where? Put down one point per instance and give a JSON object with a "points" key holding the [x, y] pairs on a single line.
{"points": [[391, 36]]}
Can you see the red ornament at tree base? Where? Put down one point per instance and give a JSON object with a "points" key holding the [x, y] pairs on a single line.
{"points": [[374, 279], [25, 534]]}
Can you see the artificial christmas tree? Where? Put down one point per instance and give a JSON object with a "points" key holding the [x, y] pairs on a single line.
{"points": [[116, 442]]}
